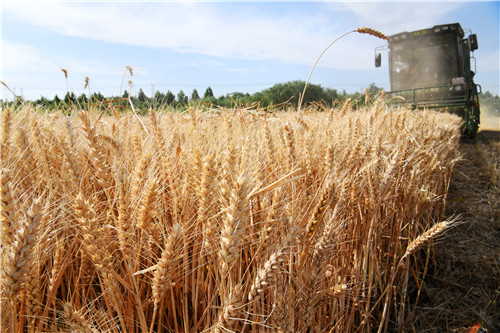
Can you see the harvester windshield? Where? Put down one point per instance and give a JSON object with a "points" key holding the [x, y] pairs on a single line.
{"points": [[424, 61]]}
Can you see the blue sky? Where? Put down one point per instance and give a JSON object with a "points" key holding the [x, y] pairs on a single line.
{"points": [[229, 46]]}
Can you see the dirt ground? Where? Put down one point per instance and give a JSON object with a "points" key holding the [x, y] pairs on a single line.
{"points": [[490, 123], [462, 285]]}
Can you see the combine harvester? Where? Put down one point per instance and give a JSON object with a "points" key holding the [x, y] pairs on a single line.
{"points": [[431, 68]]}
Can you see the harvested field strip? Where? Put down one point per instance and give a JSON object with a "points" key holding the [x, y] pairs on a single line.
{"points": [[224, 221], [462, 286]]}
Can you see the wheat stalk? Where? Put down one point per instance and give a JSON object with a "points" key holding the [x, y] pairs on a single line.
{"points": [[363, 30], [18, 99]]}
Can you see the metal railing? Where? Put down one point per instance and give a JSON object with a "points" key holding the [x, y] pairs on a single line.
{"points": [[452, 95]]}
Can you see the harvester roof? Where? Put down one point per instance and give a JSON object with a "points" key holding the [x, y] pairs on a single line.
{"points": [[454, 28]]}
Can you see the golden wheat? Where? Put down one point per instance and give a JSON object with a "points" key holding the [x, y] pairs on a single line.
{"points": [[227, 221]]}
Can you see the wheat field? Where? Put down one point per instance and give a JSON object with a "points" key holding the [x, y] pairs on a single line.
{"points": [[221, 221]]}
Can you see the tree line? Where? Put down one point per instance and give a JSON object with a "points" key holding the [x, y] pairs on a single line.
{"points": [[281, 94]]}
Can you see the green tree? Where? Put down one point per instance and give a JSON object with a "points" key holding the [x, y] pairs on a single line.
{"points": [[373, 89], [70, 98], [159, 98], [56, 100], [142, 96], [194, 95], [291, 91], [170, 98], [42, 101], [208, 93], [238, 95], [97, 97], [331, 95], [181, 97], [82, 100], [282, 92]]}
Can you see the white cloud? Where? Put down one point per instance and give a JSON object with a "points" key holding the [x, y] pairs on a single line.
{"points": [[25, 66], [209, 29], [224, 31], [24, 58], [19, 57]]}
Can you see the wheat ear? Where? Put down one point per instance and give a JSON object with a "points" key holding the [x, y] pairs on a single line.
{"points": [[6, 209], [373, 32], [125, 226], [290, 143], [94, 240], [345, 107], [5, 135], [162, 278], [146, 209], [32, 284], [139, 175], [227, 318], [427, 236], [93, 235], [204, 192], [98, 155], [233, 226], [267, 273], [75, 320], [170, 255], [324, 201], [19, 260], [14, 272]]}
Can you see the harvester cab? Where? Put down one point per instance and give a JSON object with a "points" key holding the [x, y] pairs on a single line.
{"points": [[434, 68]]}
